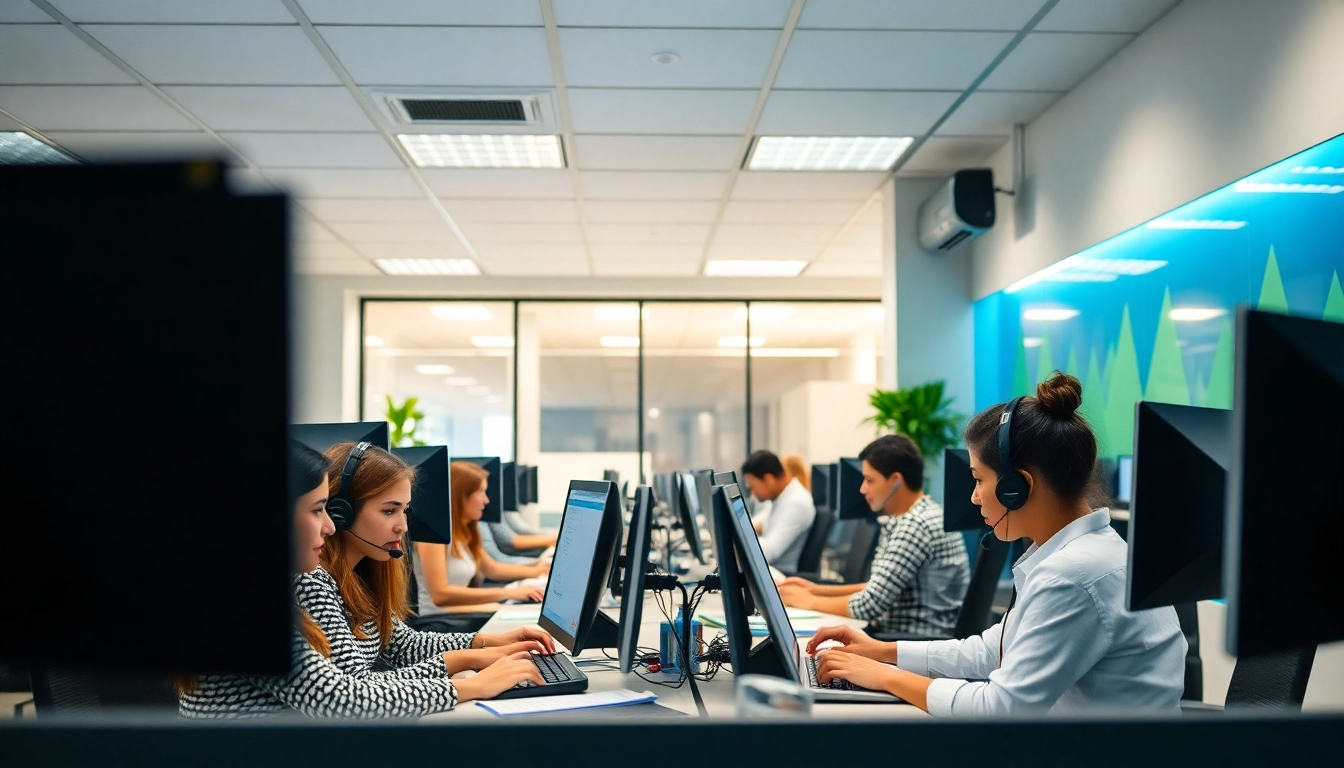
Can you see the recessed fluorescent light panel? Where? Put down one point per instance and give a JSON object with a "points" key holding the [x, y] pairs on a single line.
{"points": [[18, 148], [740, 342], [1031, 342], [447, 150], [1263, 186], [1049, 315], [1195, 314], [826, 153], [1327, 169], [434, 370], [620, 341], [753, 268], [1118, 266], [460, 381], [428, 266], [477, 390], [373, 341], [492, 341], [461, 312], [1195, 224]]}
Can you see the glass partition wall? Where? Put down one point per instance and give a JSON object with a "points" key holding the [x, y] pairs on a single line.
{"points": [[640, 387]]}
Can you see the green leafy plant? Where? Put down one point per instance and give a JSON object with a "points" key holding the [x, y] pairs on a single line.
{"points": [[921, 413], [403, 420]]}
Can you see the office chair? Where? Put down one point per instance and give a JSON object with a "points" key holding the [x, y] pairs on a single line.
{"points": [[64, 690], [810, 559], [439, 622], [1267, 681], [977, 608], [858, 562], [1188, 615]]}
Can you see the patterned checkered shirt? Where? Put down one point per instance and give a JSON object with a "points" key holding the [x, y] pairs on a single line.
{"points": [[919, 577]]}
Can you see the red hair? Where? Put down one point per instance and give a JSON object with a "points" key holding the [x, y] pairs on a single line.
{"points": [[467, 479]]}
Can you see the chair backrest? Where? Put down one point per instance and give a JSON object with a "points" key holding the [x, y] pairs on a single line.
{"points": [[63, 690], [862, 546], [810, 559], [1277, 680], [979, 602], [1188, 615]]}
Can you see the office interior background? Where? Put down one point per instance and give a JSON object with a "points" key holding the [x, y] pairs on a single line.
{"points": [[640, 286]]}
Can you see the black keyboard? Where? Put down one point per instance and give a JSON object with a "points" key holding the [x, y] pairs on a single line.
{"points": [[836, 683], [559, 674], [552, 671]]}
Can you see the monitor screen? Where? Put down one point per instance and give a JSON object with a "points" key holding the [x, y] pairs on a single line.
{"points": [[532, 497], [959, 514], [821, 483], [1124, 484], [508, 492], [581, 566], [689, 512], [494, 486], [636, 563], [430, 519], [762, 586], [320, 437]]}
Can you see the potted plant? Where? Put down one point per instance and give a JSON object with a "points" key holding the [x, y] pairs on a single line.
{"points": [[403, 420], [921, 413]]}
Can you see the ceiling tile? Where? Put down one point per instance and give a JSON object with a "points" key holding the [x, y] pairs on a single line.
{"points": [[844, 269], [661, 153], [319, 251], [759, 234], [495, 13], [310, 230], [442, 56], [323, 182], [374, 210], [495, 182], [536, 268], [123, 145], [245, 181], [91, 108], [1054, 61], [1131, 16], [1003, 15], [649, 234], [453, 250], [852, 252], [653, 185], [498, 252], [710, 58], [523, 233], [888, 60], [34, 54], [232, 55], [734, 251], [634, 267], [600, 110], [623, 212], [507, 211], [315, 150], [993, 113], [397, 232], [335, 267], [175, 12], [233, 108], [821, 212], [758, 14], [806, 185], [22, 12], [852, 113], [949, 153], [649, 253]]}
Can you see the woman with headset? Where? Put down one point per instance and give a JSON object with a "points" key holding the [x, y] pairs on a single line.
{"points": [[1066, 642], [323, 681]]}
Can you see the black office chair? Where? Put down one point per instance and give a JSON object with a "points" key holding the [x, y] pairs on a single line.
{"points": [[858, 561], [1268, 681], [1188, 615], [977, 609], [64, 690], [810, 559], [439, 622]]}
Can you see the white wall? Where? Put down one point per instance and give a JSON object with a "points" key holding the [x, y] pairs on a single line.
{"points": [[1215, 90], [1325, 687], [822, 420]]}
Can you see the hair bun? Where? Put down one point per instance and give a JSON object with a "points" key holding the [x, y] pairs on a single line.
{"points": [[1060, 395]]}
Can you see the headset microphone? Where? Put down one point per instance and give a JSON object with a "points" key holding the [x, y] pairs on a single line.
{"points": [[988, 541], [395, 553], [882, 507]]}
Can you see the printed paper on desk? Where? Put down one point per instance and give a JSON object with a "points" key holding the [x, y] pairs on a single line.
{"points": [[530, 613], [566, 703]]}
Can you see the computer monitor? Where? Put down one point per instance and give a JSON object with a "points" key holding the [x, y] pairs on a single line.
{"points": [[1281, 568], [590, 533], [849, 503], [959, 514], [149, 386], [431, 518], [508, 493], [321, 437], [688, 509], [821, 485], [611, 476], [636, 564], [1176, 517], [1124, 479], [832, 482], [532, 496], [520, 478], [724, 478], [704, 489], [494, 485]]}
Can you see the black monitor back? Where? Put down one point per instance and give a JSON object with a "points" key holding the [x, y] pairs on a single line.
{"points": [[688, 503], [150, 355], [494, 485], [959, 514], [321, 437], [1176, 517], [1283, 532], [636, 565], [849, 503], [508, 494], [821, 485], [431, 519], [724, 478], [532, 484]]}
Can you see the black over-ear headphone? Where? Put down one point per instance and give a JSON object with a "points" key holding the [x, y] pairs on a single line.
{"points": [[1012, 488], [341, 511]]}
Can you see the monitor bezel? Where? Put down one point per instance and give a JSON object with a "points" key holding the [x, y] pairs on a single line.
{"points": [[637, 546], [421, 526], [494, 485], [608, 539]]}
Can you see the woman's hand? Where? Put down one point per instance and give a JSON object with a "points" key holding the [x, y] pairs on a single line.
{"points": [[499, 677], [541, 568], [531, 594], [480, 658], [854, 642], [519, 635], [798, 581], [795, 596], [862, 671]]}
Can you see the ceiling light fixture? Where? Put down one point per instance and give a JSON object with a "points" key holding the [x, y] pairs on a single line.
{"points": [[795, 352], [1031, 342], [461, 312], [754, 268], [1118, 266], [1195, 314], [428, 266], [666, 57], [19, 148], [492, 341], [620, 341], [477, 390], [1075, 276], [826, 153], [447, 150], [1194, 224], [1049, 315], [1040, 275], [618, 312], [435, 370], [1263, 186], [740, 342], [1317, 169], [373, 341], [460, 381], [654, 413]]}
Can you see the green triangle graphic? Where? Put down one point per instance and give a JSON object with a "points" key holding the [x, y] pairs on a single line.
{"points": [[1124, 390], [1166, 374], [1201, 392], [1219, 393], [1334, 302], [1272, 297], [1106, 372], [1021, 386], [1094, 404], [1045, 362], [1071, 366]]}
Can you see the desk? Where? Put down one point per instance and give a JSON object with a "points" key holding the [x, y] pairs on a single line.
{"points": [[718, 693]]}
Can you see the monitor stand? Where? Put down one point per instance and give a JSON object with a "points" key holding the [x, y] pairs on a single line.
{"points": [[764, 660], [605, 633]]}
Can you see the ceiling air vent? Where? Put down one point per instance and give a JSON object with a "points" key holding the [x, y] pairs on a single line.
{"points": [[428, 111], [473, 110]]}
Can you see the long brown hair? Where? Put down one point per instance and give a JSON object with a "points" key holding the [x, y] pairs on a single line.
{"points": [[466, 478], [373, 591], [797, 469]]}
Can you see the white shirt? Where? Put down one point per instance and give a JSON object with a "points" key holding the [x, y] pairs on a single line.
{"points": [[785, 533], [461, 570], [1068, 643]]}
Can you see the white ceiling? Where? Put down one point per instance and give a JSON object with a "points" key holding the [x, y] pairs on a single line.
{"points": [[655, 184]]}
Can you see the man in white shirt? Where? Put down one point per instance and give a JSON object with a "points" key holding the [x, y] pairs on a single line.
{"points": [[791, 512]]}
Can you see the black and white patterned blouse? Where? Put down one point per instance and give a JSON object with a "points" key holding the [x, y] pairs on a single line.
{"points": [[360, 680], [919, 577]]}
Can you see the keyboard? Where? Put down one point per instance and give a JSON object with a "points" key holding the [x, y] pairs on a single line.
{"points": [[559, 674], [836, 683], [551, 670]]}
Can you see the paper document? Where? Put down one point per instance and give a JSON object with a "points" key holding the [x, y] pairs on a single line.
{"points": [[566, 703], [529, 613]]}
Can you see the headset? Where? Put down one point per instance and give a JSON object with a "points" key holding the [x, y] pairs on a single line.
{"points": [[1012, 489], [341, 510]]}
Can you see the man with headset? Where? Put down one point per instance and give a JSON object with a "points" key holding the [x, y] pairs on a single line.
{"points": [[920, 572]]}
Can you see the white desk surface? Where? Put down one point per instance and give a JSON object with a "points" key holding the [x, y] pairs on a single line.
{"points": [[717, 694]]}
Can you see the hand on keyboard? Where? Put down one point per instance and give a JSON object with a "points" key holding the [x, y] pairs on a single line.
{"points": [[499, 677], [860, 672]]}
